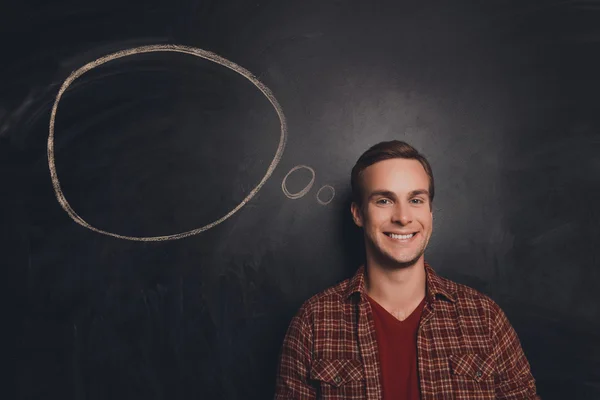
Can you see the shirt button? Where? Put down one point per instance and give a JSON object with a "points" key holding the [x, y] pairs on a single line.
{"points": [[478, 374], [337, 379]]}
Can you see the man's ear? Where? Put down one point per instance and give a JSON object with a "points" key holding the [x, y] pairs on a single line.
{"points": [[356, 214]]}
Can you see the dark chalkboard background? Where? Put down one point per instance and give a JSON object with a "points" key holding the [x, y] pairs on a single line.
{"points": [[502, 96]]}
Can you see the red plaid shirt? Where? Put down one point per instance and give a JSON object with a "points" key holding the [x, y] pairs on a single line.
{"points": [[466, 347]]}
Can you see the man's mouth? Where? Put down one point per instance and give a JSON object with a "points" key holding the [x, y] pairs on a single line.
{"points": [[400, 237]]}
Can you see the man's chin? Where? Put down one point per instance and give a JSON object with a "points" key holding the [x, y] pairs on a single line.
{"points": [[394, 263]]}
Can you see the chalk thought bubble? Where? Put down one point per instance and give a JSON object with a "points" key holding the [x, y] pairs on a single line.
{"points": [[207, 55], [308, 186]]}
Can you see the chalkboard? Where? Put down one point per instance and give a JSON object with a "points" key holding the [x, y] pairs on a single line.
{"points": [[175, 179]]}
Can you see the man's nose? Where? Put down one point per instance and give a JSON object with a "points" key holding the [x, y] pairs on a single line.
{"points": [[402, 214]]}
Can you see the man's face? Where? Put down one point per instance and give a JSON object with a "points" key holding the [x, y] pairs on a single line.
{"points": [[395, 215]]}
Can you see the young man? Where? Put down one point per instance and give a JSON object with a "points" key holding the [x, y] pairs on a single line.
{"points": [[396, 330]]}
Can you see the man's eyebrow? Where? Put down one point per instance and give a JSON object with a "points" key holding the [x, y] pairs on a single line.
{"points": [[382, 193], [418, 192], [392, 195]]}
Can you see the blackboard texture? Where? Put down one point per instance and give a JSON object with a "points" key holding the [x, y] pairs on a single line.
{"points": [[501, 96]]}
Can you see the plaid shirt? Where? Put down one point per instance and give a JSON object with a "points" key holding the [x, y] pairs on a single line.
{"points": [[466, 347]]}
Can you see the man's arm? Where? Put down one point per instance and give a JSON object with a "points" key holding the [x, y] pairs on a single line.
{"points": [[514, 380], [294, 365]]}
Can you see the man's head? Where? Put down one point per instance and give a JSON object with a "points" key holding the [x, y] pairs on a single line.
{"points": [[392, 185], [385, 151]]}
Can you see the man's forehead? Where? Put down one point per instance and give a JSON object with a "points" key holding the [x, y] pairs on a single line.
{"points": [[396, 171], [395, 178]]}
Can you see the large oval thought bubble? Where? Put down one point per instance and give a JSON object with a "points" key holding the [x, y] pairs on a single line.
{"points": [[162, 48]]}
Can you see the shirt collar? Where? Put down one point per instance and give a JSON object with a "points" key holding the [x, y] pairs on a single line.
{"points": [[435, 285]]}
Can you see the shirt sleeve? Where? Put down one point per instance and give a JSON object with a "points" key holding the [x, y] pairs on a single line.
{"points": [[514, 379], [294, 365]]}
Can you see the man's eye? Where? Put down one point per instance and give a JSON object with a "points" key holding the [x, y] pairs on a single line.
{"points": [[384, 201], [417, 201]]}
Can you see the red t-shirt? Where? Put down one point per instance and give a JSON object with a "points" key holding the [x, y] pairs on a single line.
{"points": [[397, 342]]}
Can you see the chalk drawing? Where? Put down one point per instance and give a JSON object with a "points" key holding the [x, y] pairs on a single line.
{"points": [[306, 188], [207, 55], [330, 199]]}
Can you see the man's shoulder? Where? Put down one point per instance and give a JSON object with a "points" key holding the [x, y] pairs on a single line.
{"points": [[334, 293], [467, 297], [331, 298]]}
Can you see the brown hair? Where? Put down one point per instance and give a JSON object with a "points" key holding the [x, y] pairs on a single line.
{"points": [[386, 151]]}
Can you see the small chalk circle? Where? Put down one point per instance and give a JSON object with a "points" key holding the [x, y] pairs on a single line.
{"points": [[302, 192], [325, 202]]}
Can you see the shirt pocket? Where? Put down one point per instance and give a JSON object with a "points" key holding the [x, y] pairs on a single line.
{"points": [[339, 378], [477, 367], [472, 377]]}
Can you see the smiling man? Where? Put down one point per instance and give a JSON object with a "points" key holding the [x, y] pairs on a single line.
{"points": [[397, 330]]}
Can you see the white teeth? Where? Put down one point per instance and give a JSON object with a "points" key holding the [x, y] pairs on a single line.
{"points": [[402, 237]]}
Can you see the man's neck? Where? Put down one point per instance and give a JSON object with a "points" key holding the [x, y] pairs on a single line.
{"points": [[398, 290]]}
